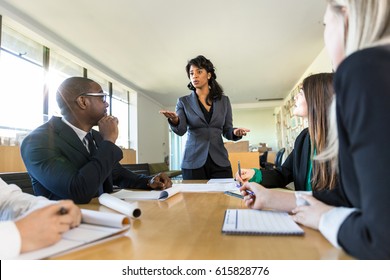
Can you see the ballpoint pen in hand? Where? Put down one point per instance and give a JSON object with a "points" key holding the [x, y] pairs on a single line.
{"points": [[239, 172], [63, 211], [240, 183], [247, 191]]}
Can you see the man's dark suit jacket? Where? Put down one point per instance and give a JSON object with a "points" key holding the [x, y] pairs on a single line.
{"points": [[60, 166]]}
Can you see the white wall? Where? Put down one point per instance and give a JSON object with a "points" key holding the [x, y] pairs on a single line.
{"points": [[153, 143], [321, 63], [261, 122]]}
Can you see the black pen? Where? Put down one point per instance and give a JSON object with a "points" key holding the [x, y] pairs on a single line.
{"points": [[63, 211], [239, 171], [247, 191], [239, 186]]}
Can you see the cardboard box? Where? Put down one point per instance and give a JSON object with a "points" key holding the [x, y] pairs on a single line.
{"points": [[263, 147], [237, 147]]}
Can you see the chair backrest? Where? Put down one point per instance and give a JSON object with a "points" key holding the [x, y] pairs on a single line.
{"points": [[21, 179], [138, 168], [155, 168], [263, 159], [279, 157]]}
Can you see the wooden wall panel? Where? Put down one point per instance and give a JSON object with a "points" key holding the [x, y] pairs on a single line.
{"points": [[11, 160], [247, 160], [129, 156]]}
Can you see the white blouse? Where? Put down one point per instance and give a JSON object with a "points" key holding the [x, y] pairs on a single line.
{"points": [[14, 204]]}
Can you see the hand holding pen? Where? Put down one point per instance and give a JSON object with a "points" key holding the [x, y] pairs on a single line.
{"points": [[245, 191], [241, 181], [258, 196], [68, 208], [45, 226], [245, 176]]}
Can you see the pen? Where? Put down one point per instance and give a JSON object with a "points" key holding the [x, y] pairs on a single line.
{"points": [[240, 184], [239, 171], [63, 211], [247, 191]]}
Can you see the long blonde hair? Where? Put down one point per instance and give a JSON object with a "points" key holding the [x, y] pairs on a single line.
{"points": [[368, 26], [368, 22]]}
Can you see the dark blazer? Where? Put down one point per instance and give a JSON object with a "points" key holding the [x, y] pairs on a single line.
{"points": [[363, 117], [204, 138], [60, 166], [295, 169]]}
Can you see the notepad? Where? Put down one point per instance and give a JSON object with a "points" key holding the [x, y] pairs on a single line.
{"points": [[259, 222], [95, 226]]}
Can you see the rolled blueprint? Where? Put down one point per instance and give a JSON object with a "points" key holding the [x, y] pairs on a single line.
{"points": [[126, 208]]}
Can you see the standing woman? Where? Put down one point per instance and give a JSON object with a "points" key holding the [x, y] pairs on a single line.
{"points": [[206, 114], [357, 37]]}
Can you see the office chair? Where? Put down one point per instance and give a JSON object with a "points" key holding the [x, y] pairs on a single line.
{"points": [[278, 160], [279, 157], [263, 159]]}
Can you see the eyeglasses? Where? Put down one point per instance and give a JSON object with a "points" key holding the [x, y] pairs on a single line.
{"points": [[102, 95]]}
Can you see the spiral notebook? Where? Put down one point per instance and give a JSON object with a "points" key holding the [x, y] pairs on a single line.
{"points": [[259, 222]]}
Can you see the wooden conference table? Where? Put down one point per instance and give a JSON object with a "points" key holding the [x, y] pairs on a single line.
{"points": [[188, 226]]}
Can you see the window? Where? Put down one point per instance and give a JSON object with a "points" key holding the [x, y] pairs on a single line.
{"points": [[24, 78], [104, 83], [120, 109], [21, 46], [177, 144], [60, 68], [133, 120], [21, 87]]}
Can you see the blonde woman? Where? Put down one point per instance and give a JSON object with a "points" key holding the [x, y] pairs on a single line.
{"points": [[357, 37]]}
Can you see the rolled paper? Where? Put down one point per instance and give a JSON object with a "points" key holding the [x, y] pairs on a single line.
{"points": [[126, 208], [104, 218]]}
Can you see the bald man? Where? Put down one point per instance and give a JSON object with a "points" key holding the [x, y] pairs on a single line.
{"points": [[67, 159]]}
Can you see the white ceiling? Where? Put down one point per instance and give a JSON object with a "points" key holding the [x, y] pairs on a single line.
{"points": [[260, 48]]}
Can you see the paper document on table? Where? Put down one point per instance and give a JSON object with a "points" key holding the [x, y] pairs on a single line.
{"points": [[176, 188], [259, 222], [147, 195], [94, 227], [218, 187], [221, 181]]}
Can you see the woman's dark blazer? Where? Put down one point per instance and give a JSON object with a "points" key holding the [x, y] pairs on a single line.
{"points": [[295, 169], [204, 138], [363, 117]]}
